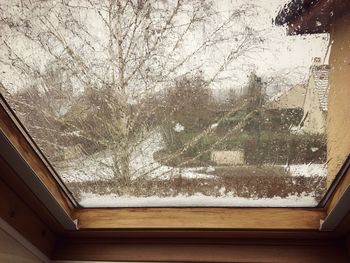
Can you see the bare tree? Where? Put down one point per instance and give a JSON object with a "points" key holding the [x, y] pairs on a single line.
{"points": [[124, 50]]}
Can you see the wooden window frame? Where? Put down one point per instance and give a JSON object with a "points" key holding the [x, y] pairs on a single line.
{"points": [[166, 218], [166, 234], [162, 234]]}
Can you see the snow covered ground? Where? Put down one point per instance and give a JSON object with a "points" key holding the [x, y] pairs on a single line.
{"points": [[307, 170], [98, 167], [111, 200]]}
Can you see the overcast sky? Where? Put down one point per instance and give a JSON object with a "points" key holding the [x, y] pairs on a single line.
{"points": [[278, 54]]}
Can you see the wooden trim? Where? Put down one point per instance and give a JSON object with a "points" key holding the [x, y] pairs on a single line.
{"points": [[26, 194], [338, 213], [19, 141], [22, 218], [340, 189], [335, 183], [200, 218], [198, 234], [312, 251]]}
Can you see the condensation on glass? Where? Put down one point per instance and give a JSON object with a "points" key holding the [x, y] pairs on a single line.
{"points": [[170, 103]]}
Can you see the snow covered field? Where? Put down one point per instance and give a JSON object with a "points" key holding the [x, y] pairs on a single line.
{"points": [[307, 170], [94, 200], [98, 167]]}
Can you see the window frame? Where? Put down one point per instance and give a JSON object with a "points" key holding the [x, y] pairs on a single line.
{"points": [[237, 218], [173, 234], [165, 218]]}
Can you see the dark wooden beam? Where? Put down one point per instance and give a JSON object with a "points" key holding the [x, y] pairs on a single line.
{"points": [[312, 251], [207, 234]]}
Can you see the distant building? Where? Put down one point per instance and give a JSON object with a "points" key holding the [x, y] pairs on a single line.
{"points": [[290, 99], [312, 98], [333, 17]]}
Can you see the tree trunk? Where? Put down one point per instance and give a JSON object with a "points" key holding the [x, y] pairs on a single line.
{"points": [[122, 152]]}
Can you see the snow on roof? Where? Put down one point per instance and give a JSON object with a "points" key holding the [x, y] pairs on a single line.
{"points": [[321, 76]]}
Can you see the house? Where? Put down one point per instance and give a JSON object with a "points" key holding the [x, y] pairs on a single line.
{"points": [[312, 98], [328, 16], [290, 99]]}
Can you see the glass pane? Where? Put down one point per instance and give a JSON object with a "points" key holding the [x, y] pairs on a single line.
{"points": [[171, 103]]}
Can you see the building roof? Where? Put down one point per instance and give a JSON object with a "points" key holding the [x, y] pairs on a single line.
{"points": [[293, 97], [311, 16], [307, 16], [292, 10]]}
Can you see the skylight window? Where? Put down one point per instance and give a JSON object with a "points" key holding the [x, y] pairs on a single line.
{"points": [[170, 103]]}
